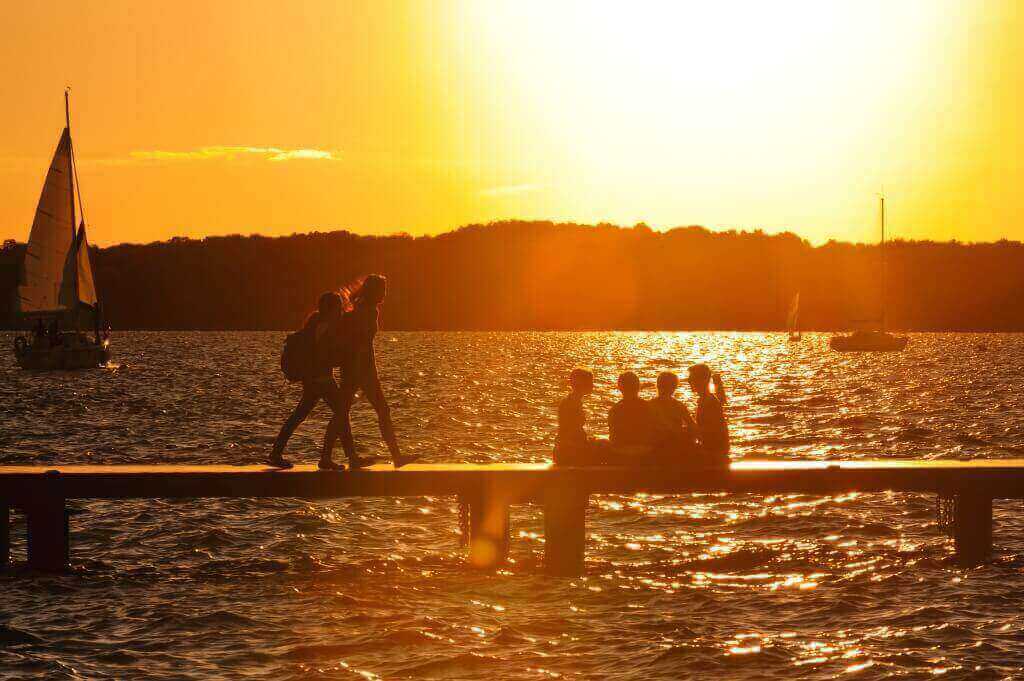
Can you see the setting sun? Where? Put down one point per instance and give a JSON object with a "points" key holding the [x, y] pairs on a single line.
{"points": [[776, 115]]}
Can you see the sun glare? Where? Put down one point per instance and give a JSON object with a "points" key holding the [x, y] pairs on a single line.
{"points": [[745, 105]]}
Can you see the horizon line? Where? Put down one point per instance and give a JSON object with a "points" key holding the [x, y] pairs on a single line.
{"points": [[554, 223]]}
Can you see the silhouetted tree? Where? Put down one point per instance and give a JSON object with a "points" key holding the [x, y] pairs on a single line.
{"points": [[543, 275]]}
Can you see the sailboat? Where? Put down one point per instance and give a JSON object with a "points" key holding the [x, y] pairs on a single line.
{"points": [[793, 319], [868, 340], [56, 294]]}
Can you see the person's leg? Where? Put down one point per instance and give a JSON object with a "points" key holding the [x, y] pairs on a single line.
{"points": [[340, 425], [302, 410], [374, 394]]}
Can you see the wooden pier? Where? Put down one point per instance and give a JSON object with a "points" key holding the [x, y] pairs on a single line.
{"points": [[42, 494]]}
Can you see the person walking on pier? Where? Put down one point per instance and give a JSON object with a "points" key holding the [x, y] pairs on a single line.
{"points": [[712, 427], [359, 370], [320, 339]]}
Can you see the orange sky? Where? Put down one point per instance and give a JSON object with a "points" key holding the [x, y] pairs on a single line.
{"points": [[198, 118]]}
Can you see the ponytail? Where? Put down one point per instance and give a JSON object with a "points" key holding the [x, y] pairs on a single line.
{"points": [[311, 319]]}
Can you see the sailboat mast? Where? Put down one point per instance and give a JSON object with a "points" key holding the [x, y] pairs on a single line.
{"points": [[71, 193], [882, 205], [71, 156]]}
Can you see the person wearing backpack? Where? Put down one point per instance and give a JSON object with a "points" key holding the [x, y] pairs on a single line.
{"points": [[309, 357]]}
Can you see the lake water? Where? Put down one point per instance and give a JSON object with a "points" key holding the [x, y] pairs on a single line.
{"points": [[715, 586]]}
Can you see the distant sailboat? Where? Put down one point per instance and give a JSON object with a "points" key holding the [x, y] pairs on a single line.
{"points": [[878, 340], [56, 292], [793, 319]]}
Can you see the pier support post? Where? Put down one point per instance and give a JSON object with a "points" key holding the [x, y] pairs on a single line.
{"points": [[565, 531], [488, 530], [972, 529], [5, 535], [48, 545]]}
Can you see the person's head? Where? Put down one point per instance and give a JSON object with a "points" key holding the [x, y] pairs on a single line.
{"points": [[667, 383], [699, 378], [330, 304], [370, 291], [629, 384], [581, 381]]}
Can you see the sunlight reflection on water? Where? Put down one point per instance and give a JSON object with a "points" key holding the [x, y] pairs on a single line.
{"points": [[785, 586]]}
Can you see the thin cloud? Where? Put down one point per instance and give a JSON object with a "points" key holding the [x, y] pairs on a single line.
{"points": [[273, 154], [290, 154], [510, 190]]}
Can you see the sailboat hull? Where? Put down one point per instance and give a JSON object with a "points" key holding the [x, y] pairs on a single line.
{"points": [[79, 354], [869, 342]]}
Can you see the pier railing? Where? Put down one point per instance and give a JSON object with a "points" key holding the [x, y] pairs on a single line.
{"points": [[490, 489]]}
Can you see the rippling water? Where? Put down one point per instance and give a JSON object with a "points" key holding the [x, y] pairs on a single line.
{"points": [[722, 586]]}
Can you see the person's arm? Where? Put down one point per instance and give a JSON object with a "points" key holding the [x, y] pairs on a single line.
{"points": [[570, 422], [712, 423], [362, 346], [580, 422], [719, 388], [613, 425], [688, 421], [562, 420]]}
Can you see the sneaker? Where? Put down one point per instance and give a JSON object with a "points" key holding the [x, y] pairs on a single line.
{"points": [[401, 460], [358, 462], [279, 462], [328, 465]]}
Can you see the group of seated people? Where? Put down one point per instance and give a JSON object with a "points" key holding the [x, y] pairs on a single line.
{"points": [[647, 432]]}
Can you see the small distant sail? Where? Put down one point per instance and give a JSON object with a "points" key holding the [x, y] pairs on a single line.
{"points": [[52, 236], [794, 314]]}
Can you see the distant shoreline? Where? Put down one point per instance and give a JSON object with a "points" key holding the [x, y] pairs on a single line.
{"points": [[531, 276], [384, 332]]}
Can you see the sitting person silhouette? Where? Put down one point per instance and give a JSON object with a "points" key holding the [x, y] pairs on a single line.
{"points": [[712, 427], [675, 427], [631, 423], [573, 447]]}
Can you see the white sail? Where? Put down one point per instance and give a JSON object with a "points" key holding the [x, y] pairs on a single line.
{"points": [[86, 285], [52, 237], [794, 313]]}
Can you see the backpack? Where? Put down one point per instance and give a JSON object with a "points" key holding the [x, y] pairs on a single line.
{"points": [[298, 357]]}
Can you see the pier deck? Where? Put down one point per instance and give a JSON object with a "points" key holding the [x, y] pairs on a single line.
{"points": [[42, 492]]}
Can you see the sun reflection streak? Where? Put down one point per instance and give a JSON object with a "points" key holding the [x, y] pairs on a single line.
{"points": [[854, 668]]}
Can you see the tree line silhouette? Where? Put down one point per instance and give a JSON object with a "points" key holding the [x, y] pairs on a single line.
{"points": [[543, 275]]}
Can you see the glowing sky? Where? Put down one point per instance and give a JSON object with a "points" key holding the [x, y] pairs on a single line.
{"points": [[195, 118]]}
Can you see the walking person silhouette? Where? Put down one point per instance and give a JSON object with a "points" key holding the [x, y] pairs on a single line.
{"points": [[359, 370], [321, 337]]}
